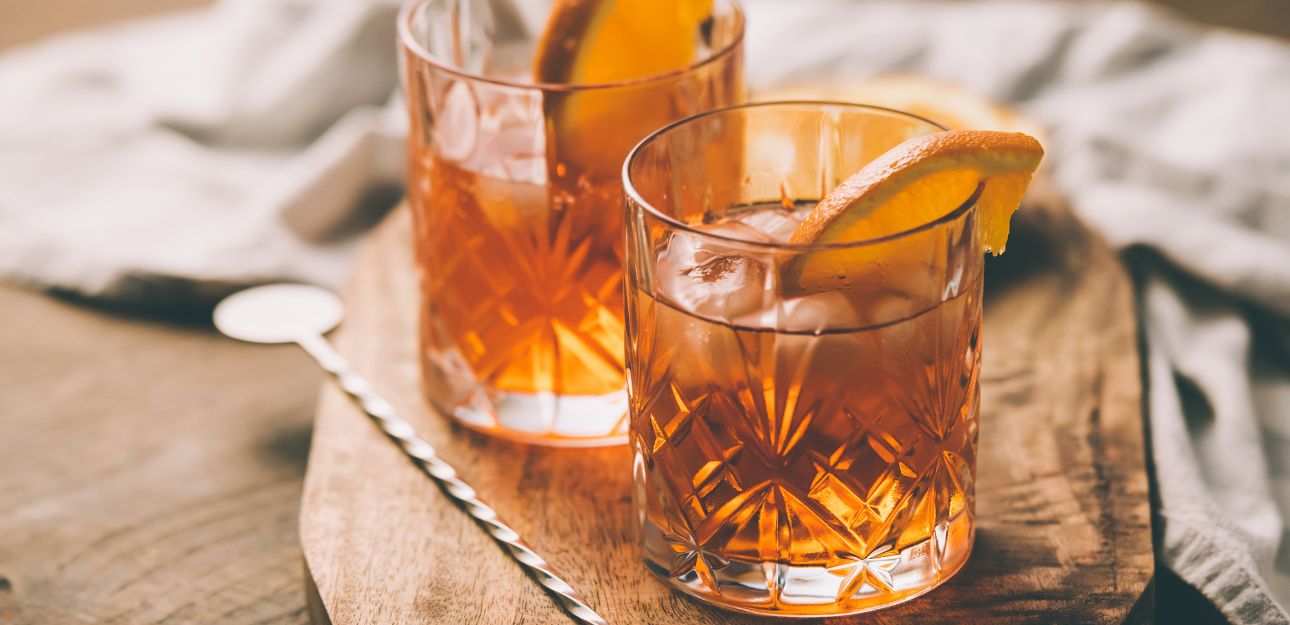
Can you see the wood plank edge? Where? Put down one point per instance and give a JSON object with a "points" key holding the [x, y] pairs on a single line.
{"points": [[313, 600]]}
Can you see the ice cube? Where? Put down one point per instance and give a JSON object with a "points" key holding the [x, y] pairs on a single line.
{"points": [[512, 207], [712, 278], [811, 313], [889, 307], [776, 223], [816, 342], [522, 167], [456, 134]]}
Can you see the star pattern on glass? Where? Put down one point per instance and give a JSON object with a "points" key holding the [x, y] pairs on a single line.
{"points": [[874, 569], [752, 463], [688, 554]]}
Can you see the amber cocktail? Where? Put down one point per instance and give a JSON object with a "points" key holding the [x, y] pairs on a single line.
{"points": [[520, 120], [804, 440]]}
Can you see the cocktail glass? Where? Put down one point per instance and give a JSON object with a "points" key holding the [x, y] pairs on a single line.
{"points": [[515, 194], [799, 449]]}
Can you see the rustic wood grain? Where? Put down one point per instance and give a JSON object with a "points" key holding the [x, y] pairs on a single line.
{"points": [[1064, 531], [149, 472]]}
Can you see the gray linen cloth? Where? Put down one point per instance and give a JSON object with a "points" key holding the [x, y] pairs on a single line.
{"points": [[182, 156], [246, 142]]}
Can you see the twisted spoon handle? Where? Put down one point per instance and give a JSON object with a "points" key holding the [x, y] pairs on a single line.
{"points": [[423, 454]]}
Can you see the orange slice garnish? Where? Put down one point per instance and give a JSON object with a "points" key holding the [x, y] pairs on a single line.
{"points": [[604, 41], [915, 183]]}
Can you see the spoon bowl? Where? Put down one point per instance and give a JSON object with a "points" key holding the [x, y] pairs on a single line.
{"points": [[278, 313]]}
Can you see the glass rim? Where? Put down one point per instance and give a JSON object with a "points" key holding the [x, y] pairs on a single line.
{"points": [[408, 42], [630, 192]]}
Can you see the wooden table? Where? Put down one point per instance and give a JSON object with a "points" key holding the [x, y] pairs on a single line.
{"points": [[150, 471]]}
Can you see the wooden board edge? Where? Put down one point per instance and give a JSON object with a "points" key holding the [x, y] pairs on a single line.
{"points": [[313, 600]]}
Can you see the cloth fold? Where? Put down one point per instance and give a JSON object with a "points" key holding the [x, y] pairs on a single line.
{"points": [[246, 142], [197, 152]]}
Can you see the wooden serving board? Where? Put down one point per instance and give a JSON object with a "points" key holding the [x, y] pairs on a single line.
{"points": [[1063, 519]]}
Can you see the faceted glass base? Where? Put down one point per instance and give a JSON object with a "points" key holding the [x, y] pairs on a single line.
{"points": [[847, 587], [547, 418], [542, 418]]}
